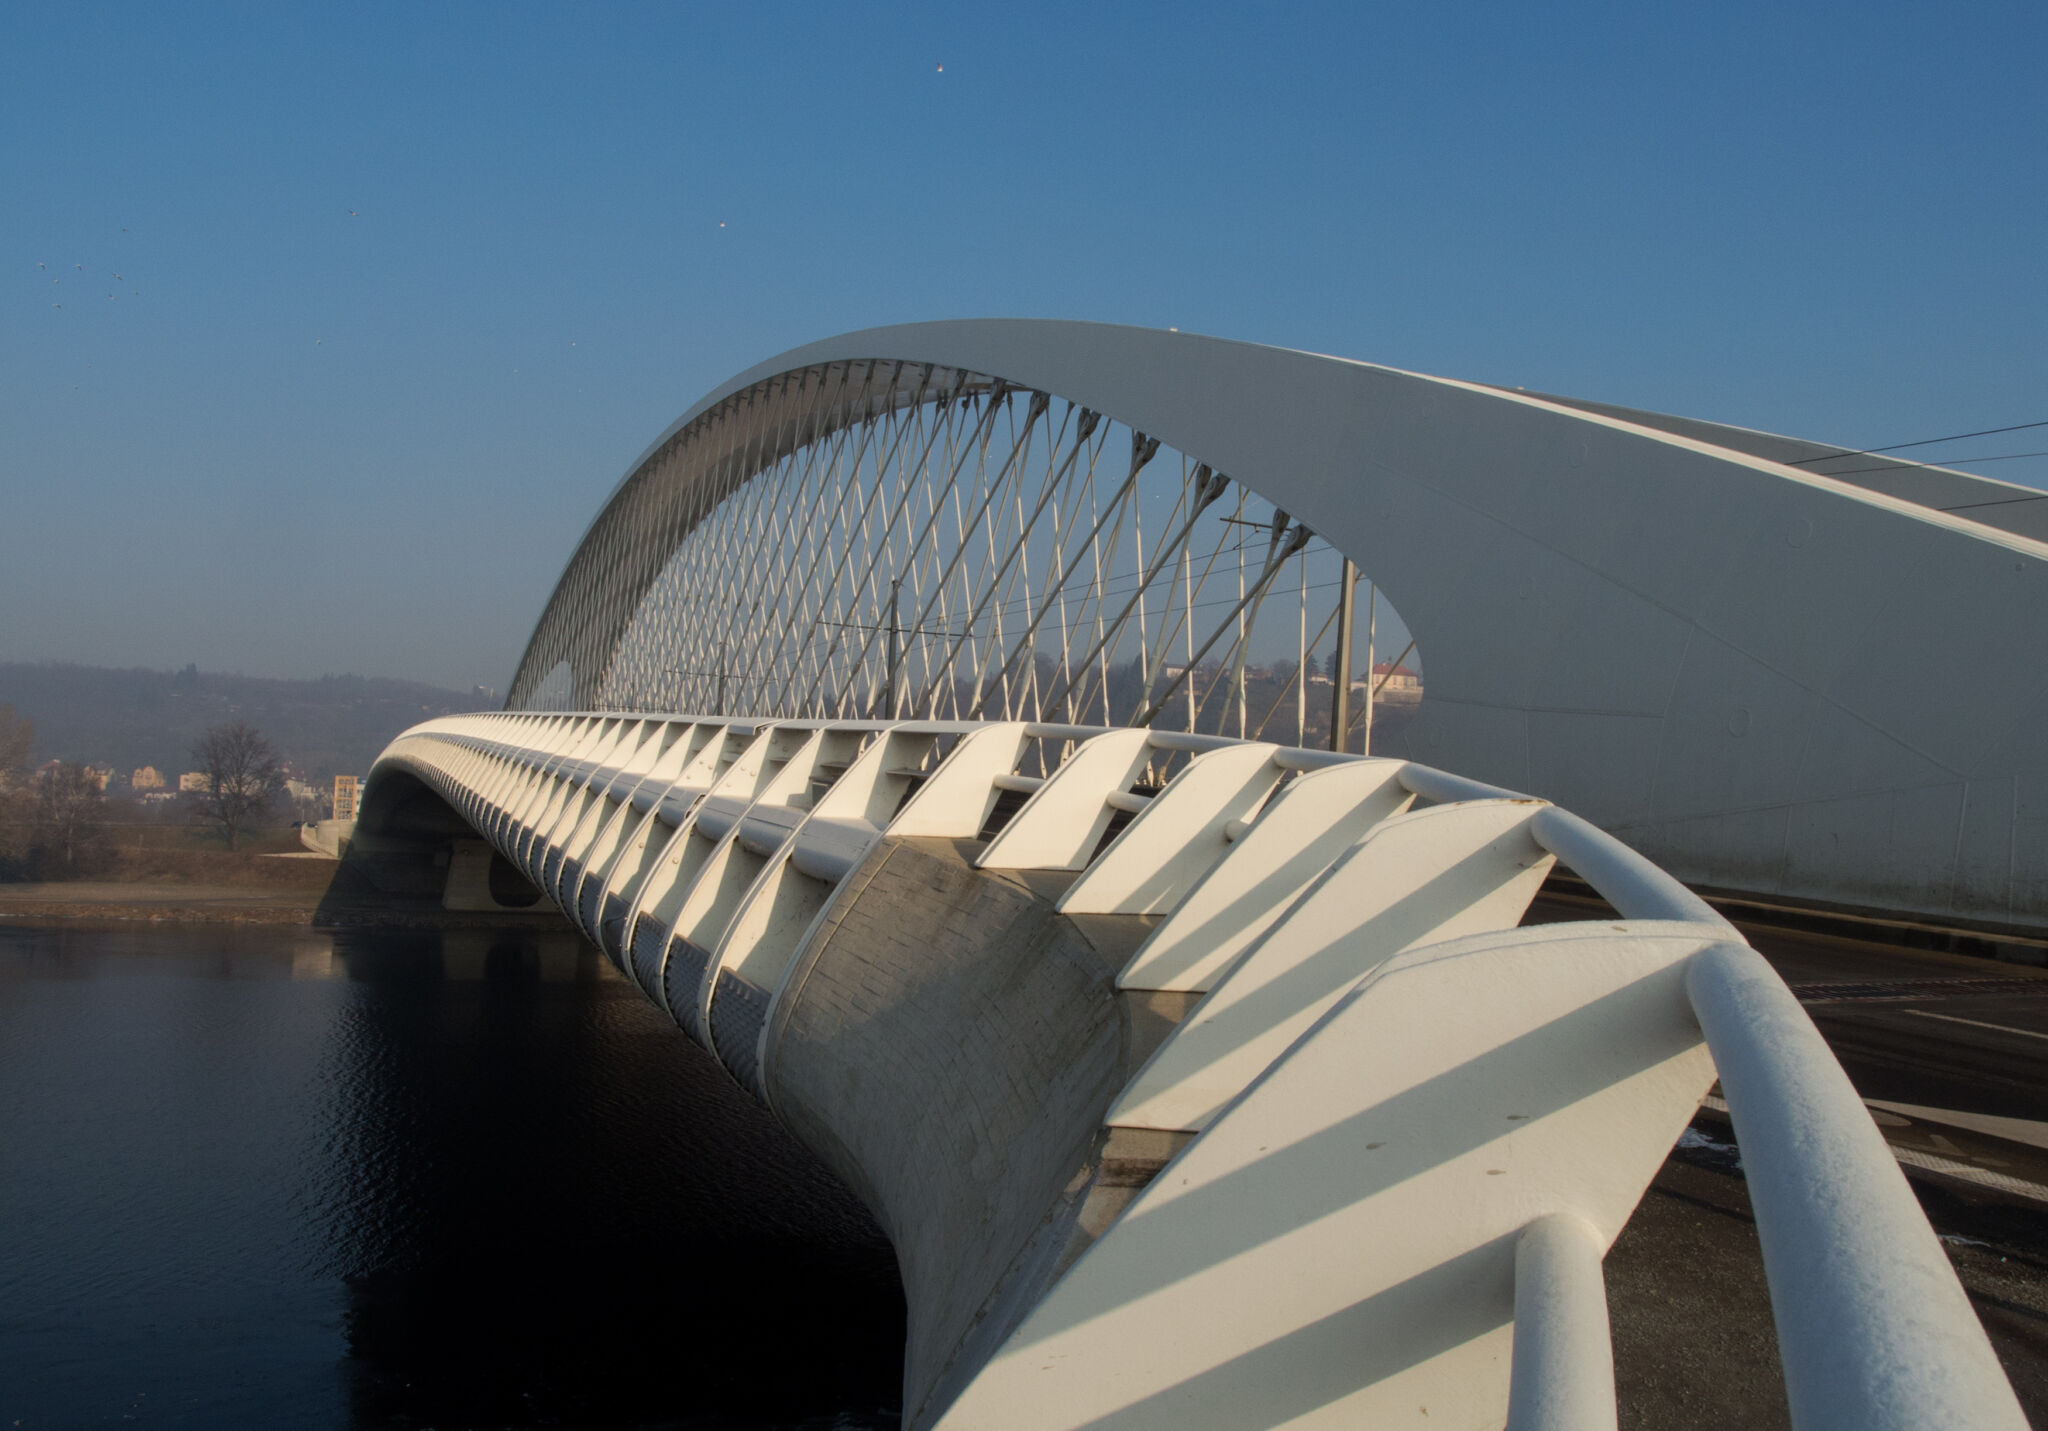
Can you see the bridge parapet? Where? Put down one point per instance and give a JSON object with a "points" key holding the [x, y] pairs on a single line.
{"points": [[1202, 1081]]}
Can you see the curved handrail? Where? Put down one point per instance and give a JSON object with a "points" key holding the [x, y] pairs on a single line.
{"points": [[1875, 1332]]}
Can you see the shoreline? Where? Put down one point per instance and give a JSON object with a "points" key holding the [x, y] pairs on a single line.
{"points": [[181, 903]]}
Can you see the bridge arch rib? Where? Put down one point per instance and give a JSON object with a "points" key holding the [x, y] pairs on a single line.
{"points": [[1767, 678]]}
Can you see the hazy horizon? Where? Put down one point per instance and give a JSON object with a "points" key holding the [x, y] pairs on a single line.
{"points": [[398, 295]]}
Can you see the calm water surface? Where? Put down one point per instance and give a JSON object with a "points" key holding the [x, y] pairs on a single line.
{"points": [[262, 1177]]}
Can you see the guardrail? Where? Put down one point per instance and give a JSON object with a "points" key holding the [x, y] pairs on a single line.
{"points": [[1313, 906]]}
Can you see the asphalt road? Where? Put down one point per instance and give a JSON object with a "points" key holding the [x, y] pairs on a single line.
{"points": [[1950, 1052]]}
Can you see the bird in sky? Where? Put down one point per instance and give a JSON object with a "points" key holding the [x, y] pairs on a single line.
{"points": [[351, 213], [942, 69], [79, 266], [42, 265], [117, 278]]}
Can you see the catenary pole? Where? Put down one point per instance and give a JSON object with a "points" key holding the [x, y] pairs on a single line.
{"points": [[1340, 696]]}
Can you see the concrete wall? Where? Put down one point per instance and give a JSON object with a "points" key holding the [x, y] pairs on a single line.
{"points": [[949, 1045]]}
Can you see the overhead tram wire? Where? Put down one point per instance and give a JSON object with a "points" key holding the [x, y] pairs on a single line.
{"points": [[1125, 582], [986, 617], [1119, 584], [1951, 462], [1115, 583], [1923, 442], [1823, 457], [1113, 586], [979, 399]]}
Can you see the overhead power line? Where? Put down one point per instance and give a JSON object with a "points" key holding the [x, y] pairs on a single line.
{"points": [[1900, 466], [1923, 442]]}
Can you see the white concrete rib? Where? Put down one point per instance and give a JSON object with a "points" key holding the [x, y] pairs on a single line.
{"points": [[1415, 1124]]}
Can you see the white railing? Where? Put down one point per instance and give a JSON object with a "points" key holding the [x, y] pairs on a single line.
{"points": [[1874, 1328], [1319, 908]]}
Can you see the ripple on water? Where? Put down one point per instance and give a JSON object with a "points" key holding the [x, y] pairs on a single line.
{"points": [[271, 1177]]}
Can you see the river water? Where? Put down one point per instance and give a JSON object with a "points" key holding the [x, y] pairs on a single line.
{"points": [[268, 1177]]}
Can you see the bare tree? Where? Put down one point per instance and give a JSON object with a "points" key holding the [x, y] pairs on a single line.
{"points": [[17, 800], [16, 736], [70, 810], [242, 776]]}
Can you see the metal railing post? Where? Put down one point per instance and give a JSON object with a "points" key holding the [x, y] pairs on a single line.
{"points": [[1562, 1378]]}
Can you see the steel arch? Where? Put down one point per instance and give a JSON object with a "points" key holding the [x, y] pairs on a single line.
{"points": [[1767, 678]]}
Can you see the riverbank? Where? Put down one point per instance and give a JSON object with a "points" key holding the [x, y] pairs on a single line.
{"points": [[254, 889], [163, 901], [248, 886]]}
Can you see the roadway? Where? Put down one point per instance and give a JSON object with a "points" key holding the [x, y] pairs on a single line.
{"points": [[1950, 1053], [1950, 1050]]}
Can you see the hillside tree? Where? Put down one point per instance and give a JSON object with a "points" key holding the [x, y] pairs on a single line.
{"points": [[16, 736], [70, 827], [242, 773], [17, 801]]}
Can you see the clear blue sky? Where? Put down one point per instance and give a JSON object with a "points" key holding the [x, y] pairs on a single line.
{"points": [[297, 441]]}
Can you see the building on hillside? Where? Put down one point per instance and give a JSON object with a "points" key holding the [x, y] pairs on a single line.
{"points": [[346, 789], [102, 776], [299, 789], [146, 779], [1396, 685], [192, 782]]}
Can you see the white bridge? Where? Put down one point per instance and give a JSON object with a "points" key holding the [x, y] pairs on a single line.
{"points": [[1201, 1079]]}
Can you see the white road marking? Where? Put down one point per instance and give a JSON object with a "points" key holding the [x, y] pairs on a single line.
{"points": [[1935, 1163], [2013, 1130], [1975, 1023]]}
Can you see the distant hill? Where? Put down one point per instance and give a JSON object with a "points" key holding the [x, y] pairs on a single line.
{"points": [[334, 725]]}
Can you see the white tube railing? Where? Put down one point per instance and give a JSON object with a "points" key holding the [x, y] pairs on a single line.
{"points": [[1636, 888], [1875, 1331], [1563, 1373]]}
